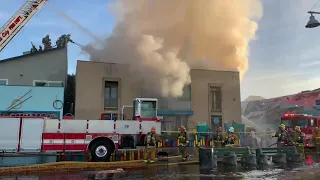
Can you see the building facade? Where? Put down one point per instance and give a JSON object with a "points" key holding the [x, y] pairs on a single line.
{"points": [[36, 68], [33, 84], [213, 97]]}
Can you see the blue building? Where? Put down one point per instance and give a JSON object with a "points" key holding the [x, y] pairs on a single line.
{"points": [[31, 101], [33, 84]]}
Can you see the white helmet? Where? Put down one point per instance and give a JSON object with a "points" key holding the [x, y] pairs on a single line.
{"points": [[231, 129]]}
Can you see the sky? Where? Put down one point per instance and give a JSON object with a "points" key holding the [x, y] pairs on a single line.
{"points": [[284, 59]]}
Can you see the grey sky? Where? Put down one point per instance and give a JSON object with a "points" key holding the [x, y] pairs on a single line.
{"points": [[285, 57], [283, 60]]}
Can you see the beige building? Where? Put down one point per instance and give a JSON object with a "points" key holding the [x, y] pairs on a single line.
{"points": [[213, 96]]}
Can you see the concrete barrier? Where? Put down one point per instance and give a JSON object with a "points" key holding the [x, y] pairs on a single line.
{"points": [[230, 155], [207, 158], [279, 154]]}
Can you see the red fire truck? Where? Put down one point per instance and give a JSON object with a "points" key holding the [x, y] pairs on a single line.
{"points": [[307, 123], [99, 137]]}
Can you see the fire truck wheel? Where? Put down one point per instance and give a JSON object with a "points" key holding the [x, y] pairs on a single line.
{"points": [[100, 151]]}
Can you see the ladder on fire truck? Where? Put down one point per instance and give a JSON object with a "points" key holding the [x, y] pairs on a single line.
{"points": [[18, 21]]}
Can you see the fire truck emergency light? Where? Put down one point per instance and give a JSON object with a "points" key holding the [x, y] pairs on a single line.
{"points": [[292, 115]]}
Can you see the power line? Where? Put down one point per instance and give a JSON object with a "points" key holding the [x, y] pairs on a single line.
{"points": [[315, 5]]}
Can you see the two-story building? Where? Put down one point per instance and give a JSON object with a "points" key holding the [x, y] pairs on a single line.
{"points": [[213, 97], [33, 84]]}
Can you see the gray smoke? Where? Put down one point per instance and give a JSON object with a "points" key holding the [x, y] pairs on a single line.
{"points": [[162, 39]]}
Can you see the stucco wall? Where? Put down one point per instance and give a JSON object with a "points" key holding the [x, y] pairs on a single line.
{"points": [[90, 79], [230, 86], [51, 65]]}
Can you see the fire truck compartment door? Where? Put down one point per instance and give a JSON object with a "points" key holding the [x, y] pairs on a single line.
{"points": [[147, 125], [51, 125], [127, 127], [9, 134], [101, 126], [73, 126], [31, 137]]}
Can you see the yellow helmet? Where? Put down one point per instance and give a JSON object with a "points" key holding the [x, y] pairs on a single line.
{"points": [[282, 126]]}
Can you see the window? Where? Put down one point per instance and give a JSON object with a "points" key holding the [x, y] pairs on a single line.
{"points": [[136, 111], [292, 123], [148, 109], [110, 116], [111, 95], [311, 122], [172, 123], [215, 99], [3, 82], [47, 83], [41, 84]]}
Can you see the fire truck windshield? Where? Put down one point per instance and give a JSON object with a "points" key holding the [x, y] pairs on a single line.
{"points": [[293, 122], [148, 109]]}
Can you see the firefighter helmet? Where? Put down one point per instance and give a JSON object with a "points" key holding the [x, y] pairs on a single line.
{"points": [[182, 128]]}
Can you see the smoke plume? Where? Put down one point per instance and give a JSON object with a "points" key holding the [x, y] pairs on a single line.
{"points": [[161, 40]]}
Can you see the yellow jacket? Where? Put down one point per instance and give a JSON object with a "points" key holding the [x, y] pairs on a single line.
{"points": [[316, 136], [234, 136], [297, 135], [154, 138]]}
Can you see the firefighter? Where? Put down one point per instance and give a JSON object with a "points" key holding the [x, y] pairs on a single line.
{"points": [[183, 142], [218, 137], [232, 138], [282, 135], [150, 141], [298, 139], [316, 139], [298, 135]]}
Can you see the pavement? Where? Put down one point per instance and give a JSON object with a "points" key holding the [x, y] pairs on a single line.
{"points": [[305, 174]]}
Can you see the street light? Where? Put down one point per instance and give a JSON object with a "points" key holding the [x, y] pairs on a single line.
{"points": [[312, 23]]}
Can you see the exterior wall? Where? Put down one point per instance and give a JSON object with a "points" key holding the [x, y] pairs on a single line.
{"points": [[50, 65], [194, 106], [90, 77], [200, 95], [42, 100]]}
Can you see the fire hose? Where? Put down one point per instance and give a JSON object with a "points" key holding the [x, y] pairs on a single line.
{"points": [[69, 167], [66, 166]]}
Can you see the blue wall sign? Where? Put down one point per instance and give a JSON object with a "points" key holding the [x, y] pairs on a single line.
{"points": [[216, 120]]}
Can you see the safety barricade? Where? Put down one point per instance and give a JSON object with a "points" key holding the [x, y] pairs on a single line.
{"points": [[170, 143], [127, 155], [120, 155], [205, 139]]}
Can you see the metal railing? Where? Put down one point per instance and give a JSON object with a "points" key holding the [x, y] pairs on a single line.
{"points": [[169, 143], [205, 139]]}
